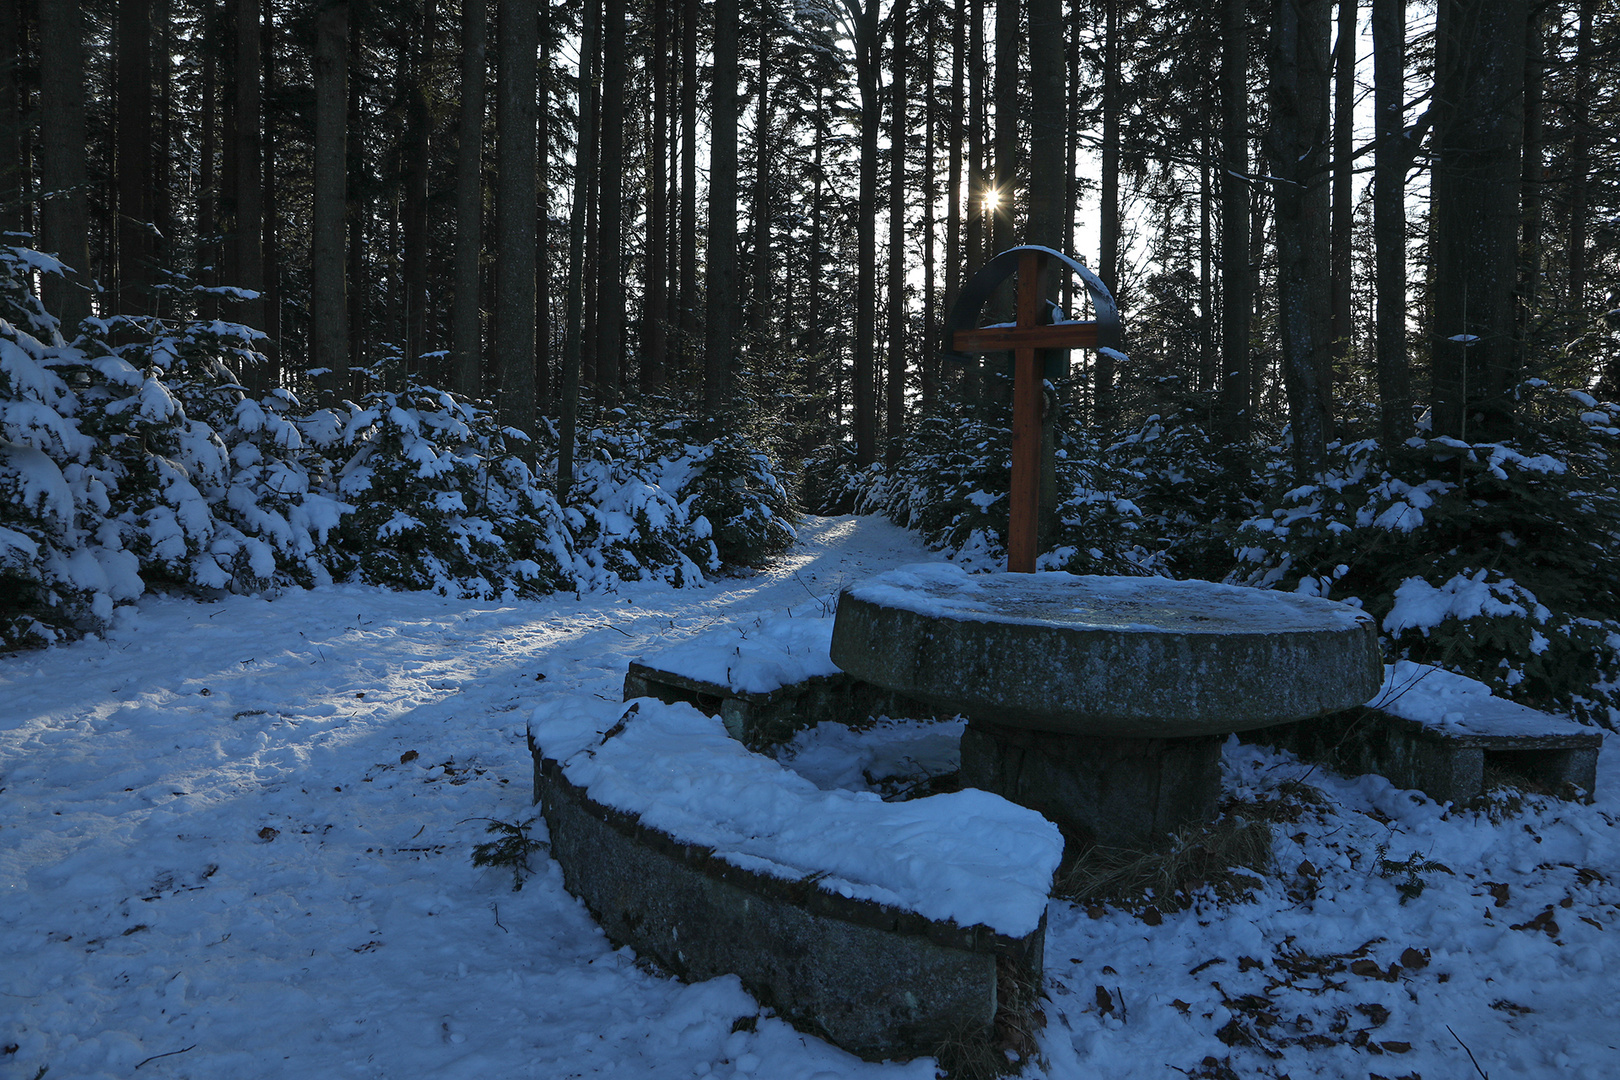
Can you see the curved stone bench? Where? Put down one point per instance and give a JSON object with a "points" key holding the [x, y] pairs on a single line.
{"points": [[886, 928], [766, 680]]}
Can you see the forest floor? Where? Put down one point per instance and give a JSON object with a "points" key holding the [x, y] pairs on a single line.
{"points": [[235, 842]]}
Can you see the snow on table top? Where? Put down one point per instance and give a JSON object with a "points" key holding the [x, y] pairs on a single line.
{"points": [[1088, 602], [969, 857], [754, 657], [1464, 706]]}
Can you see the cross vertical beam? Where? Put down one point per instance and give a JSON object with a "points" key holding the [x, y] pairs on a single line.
{"points": [[1024, 494]]}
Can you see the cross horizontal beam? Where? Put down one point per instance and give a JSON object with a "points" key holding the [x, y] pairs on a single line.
{"points": [[1074, 335]]}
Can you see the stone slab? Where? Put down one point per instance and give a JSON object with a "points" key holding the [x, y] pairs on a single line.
{"points": [[878, 981], [1448, 762], [759, 720], [1130, 657], [1120, 793]]}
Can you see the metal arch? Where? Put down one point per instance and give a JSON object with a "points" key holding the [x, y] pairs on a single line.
{"points": [[970, 303]]}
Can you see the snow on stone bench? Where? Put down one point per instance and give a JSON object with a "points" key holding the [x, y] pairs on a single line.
{"points": [[882, 927], [1439, 732], [765, 679]]}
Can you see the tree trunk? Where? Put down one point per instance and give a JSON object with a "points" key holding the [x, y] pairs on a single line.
{"points": [[813, 341], [134, 135], [1344, 104], [13, 178], [466, 353], [1206, 258], [610, 228], [655, 325], [1002, 231], [543, 374], [760, 301], [65, 221], [895, 388], [1297, 144], [358, 214], [1531, 181], [514, 213], [978, 193], [930, 347], [248, 228], [865, 346], [688, 299], [165, 47], [584, 182], [720, 270], [269, 245], [1108, 211], [589, 342], [1047, 125], [1071, 150], [1392, 156], [955, 257], [1479, 130], [328, 302], [417, 160], [1580, 159], [206, 260]]}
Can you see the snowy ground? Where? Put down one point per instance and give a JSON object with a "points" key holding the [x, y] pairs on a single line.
{"points": [[235, 839]]}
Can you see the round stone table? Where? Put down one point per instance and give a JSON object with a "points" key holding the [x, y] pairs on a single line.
{"points": [[1100, 701]]}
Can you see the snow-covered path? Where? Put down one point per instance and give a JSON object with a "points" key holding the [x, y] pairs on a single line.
{"points": [[235, 840], [209, 838]]}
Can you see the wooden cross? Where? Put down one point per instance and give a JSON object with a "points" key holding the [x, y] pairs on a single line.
{"points": [[1024, 339]]}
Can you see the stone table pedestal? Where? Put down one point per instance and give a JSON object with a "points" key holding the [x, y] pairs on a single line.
{"points": [[1099, 789]]}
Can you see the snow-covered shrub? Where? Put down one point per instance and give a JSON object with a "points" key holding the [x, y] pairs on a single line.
{"points": [[952, 481], [440, 501], [656, 495], [61, 571], [734, 482], [628, 526], [826, 479], [950, 484], [133, 457], [161, 470], [1495, 560], [1178, 475]]}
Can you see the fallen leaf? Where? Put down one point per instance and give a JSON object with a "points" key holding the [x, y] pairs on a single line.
{"points": [[1371, 970], [1182, 1007], [1105, 1001], [1544, 921], [1376, 1014], [1415, 960], [1396, 1047], [268, 834], [408, 756]]}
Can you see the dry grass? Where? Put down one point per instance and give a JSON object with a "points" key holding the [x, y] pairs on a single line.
{"points": [[1009, 1043], [1225, 858]]}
